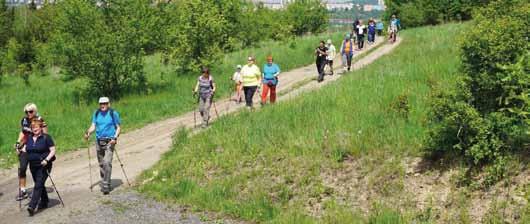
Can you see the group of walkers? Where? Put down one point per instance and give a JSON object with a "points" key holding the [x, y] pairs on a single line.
{"points": [[354, 41], [247, 79], [36, 148]]}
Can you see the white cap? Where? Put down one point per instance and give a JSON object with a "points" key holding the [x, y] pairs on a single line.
{"points": [[238, 66], [104, 100], [329, 41]]}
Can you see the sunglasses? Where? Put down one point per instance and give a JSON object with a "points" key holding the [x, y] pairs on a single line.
{"points": [[29, 112], [101, 104]]}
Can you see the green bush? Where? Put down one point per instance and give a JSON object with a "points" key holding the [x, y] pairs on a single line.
{"points": [[486, 117], [102, 44]]}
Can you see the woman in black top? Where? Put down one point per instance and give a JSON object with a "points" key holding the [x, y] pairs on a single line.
{"points": [[321, 54], [40, 151], [31, 114]]}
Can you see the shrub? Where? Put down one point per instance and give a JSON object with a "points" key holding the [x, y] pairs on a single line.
{"points": [[100, 43], [486, 117]]}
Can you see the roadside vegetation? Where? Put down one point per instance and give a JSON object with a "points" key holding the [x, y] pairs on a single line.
{"points": [[279, 165], [65, 55]]}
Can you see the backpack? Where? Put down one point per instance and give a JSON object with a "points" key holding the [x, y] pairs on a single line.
{"points": [[111, 111]]}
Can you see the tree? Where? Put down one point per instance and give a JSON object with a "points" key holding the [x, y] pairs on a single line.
{"points": [[101, 44], [307, 16], [197, 34]]}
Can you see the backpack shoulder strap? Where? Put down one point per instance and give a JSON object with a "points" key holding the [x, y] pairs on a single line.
{"points": [[111, 112], [96, 113]]}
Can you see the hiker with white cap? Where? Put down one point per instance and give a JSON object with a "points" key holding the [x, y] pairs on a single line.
{"points": [[332, 51], [251, 76], [238, 80], [106, 122]]}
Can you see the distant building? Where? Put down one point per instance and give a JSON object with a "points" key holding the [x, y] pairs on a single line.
{"points": [[273, 4], [38, 3], [330, 4], [339, 4]]}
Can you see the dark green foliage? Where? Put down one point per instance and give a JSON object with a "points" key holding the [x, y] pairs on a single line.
{"points": [[104, 41], [487, 116], [307, 16], [199, 32], [425, 12], [102, 44]]}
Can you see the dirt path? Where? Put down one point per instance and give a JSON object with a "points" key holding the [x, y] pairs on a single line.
{"points": [[139, 150]]}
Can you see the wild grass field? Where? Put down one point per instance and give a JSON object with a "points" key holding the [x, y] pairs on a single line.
{"points": [[276, 165], [68, 116]]}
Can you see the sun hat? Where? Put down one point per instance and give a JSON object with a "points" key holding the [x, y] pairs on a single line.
{"points": [[104, 100]]}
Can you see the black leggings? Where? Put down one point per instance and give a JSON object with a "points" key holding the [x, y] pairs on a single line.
{"points": [[360, 42], [249, 94], [23, 164], [39, 178]]}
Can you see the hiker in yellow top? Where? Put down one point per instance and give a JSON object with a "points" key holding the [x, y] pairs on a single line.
{"points": [[251, 76]]}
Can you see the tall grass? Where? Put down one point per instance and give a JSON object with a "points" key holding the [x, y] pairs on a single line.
{"points": [[266, 166], [68, 116]]}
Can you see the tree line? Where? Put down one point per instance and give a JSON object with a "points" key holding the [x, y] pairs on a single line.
{"points": [[415, 13], [105, 41]]}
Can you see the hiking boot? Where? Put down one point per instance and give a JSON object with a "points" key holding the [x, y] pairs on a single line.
{"points": [[22, 195], [31, 211]]}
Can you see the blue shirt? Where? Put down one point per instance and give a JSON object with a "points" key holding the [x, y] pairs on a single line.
{"points": [[379, 25], [371, 28], [269, 72], [38, 150], [105, 127]]}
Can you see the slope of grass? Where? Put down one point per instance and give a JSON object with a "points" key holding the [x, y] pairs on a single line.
{"points": [[268, 166], [169, 94]]}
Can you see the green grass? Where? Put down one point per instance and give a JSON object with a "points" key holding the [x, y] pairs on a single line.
{"points": [[266, 166], [169, 95]]}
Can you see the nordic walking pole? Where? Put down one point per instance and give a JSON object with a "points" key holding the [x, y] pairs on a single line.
{"points": [[17, 147], [215, 108], [89, 164], [123, 170], [195, 111], [54, 187]]}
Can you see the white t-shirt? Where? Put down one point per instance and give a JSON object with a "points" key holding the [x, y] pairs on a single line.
{"points": [[237, 77], [360, 29], [331, 52]]}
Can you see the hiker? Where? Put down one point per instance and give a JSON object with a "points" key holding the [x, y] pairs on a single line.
{"points": [[30, 110], [206, 88], [321, 55], [355, 32], [106, 122], [361, 30], [270, 80], [332, 51], [251, 76], [371, 32], [379, 27], [346, 50], [236, 78], [40, 150], [393, 29]]}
